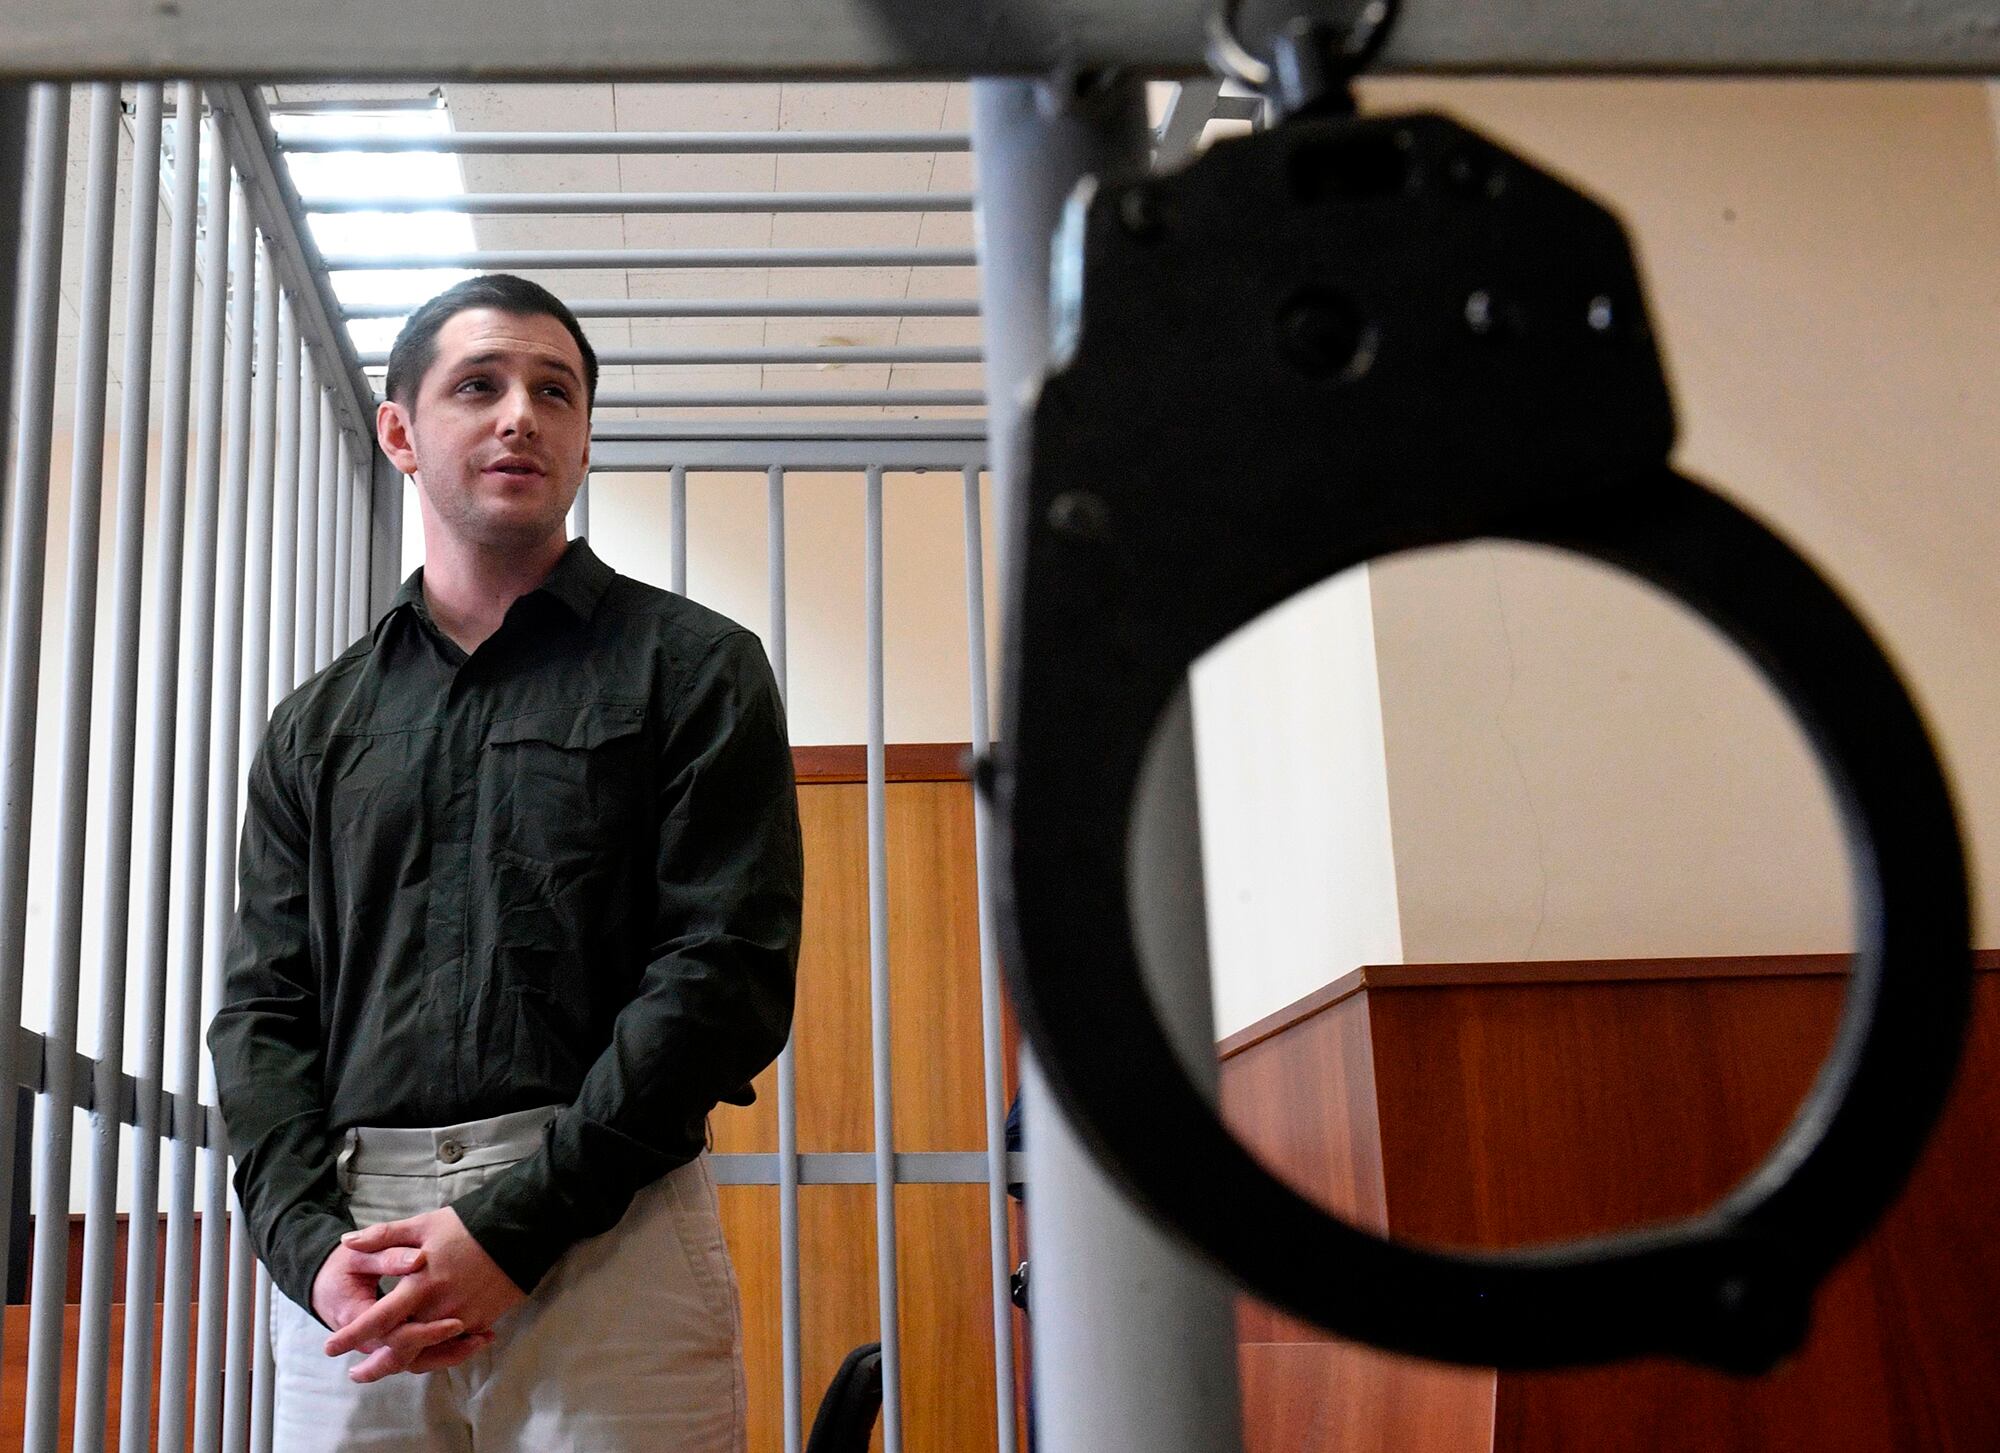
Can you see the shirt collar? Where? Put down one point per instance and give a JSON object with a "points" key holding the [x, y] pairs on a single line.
{"points": [[577, 582]]}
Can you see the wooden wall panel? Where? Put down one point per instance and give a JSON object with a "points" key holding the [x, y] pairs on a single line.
{"points": [[945, 1297], [14, 1377], [1525, 1103], [1519, 1113], [1325, 1141], [934, 968]]}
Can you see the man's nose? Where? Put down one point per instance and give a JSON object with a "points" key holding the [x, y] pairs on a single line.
{"points": [[517, 414]]}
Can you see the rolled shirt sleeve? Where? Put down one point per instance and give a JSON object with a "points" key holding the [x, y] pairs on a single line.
{"points": [[266, 1039], [714, 1003]]}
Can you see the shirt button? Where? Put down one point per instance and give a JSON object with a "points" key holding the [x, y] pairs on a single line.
{"points": [[451, 1152]]}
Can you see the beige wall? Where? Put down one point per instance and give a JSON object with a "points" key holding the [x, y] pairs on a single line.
{"points": [[926, 690], [1574, 769]]}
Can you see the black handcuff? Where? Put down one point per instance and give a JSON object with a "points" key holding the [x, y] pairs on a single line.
{"points": [[1333, 341]]}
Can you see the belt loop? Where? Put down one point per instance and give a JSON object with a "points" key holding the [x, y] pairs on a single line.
{"points": [[344, 1162]]}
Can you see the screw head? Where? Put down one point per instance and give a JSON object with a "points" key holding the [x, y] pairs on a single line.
{"points": [[1080, 514]]}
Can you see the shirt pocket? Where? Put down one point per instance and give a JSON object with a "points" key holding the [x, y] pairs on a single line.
{"points": [[563, 794], [562, 785]]}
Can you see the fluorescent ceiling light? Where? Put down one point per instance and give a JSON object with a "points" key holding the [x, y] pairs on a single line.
{"points": [[391, 174]]}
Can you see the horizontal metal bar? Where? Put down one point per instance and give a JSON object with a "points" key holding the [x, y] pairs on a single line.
{"points": [[645, 456], [711, 430], [643, 143], [568, 204], [857, 1168], [911, 398], [720, 357], [31, 1055], [762, 39], [636, 258], [727, 308]]}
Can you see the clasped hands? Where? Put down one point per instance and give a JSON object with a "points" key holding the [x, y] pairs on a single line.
{"points": [[439, 1314]]}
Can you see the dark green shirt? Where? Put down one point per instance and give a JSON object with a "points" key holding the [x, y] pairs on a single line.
{"points": [[565, 869]]}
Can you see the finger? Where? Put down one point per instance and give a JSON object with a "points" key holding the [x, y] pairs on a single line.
{"points": [[375, 1324], [397, 1261], [377, 1365], [450, 1354], [414, 1337], [383, 1235]]}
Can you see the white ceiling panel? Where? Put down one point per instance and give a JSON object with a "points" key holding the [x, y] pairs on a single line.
{"points": [[734, 107], [697, 332], [831, 332], [863, 106], [722, 229], [845, 229]]}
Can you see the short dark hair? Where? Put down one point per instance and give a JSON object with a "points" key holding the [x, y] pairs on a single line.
{"points": [[416, 345]]}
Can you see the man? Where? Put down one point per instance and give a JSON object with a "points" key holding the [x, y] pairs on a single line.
{"points": [[520, 900]]}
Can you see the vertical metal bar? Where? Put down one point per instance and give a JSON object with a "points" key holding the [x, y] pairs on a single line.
{"points": [[878, 987], [343, 542], [788, 1093], [358, 537], [285, 504], [136, 1379], [579, 513], [677, 529], [992, 1045], [305, 648], [214, 1299], [385, 534], [1134, 1339], [255, 669], [65, 948], [332, 460], [13, 159], [100, 1227], [27, 537], [191, 830], [264, 1379], [242, 1314]]}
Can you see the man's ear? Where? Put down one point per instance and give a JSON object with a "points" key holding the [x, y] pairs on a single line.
{"points": [[392, 431]]}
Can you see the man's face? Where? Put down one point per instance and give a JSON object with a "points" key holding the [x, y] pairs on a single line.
{"points": [[498, 436]]}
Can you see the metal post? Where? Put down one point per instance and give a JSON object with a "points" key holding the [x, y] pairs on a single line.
{"points": [[332, 462], [191, 838], [214, 1300], [285, 506], [788, 1092], [242, 1314], [1134, 1340], [991, 1038], [579, 513], [264, 1379], [136, 1380], [28, 509], [305, 645], [343, 541], [65, 948], [254, 706], [13, 157], [359, 492], [100, 1227], [677, 529], [878, 986]]}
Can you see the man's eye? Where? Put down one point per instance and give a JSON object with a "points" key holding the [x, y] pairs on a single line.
{"points": [[472, 385], [556, 390]]}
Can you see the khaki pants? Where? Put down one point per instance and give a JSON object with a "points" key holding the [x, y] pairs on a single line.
{"points": [[633, 1341]]}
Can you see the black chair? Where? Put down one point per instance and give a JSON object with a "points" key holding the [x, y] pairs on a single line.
{"points": [[846, 1418]]}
